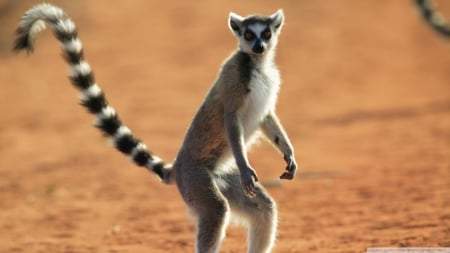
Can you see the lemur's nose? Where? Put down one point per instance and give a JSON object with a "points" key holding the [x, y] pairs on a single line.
{"points": [[258, 47]]}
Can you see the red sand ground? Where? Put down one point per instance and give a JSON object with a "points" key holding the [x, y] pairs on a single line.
{"points": [[365, 99]]}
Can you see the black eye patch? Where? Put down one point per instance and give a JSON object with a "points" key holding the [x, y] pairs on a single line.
{"points": [[249, 35], [266, 34]]}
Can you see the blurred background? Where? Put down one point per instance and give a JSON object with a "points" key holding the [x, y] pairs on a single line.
{"points": [[365, 99]]}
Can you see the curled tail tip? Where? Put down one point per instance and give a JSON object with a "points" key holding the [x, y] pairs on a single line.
{"points": [[31, 24], [34, 21], [22, 43], [25, 38]]}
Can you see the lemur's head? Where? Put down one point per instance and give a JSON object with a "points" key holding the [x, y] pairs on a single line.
{"points": [[256, 34]]}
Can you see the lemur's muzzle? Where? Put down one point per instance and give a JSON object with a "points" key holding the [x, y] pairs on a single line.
{"points": [[258, 47]]}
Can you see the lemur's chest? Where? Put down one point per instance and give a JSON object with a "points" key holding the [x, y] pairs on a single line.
{"points": [[261, 98]]}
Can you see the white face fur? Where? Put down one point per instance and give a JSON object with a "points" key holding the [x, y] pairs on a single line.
{"points": [[256, 34]]}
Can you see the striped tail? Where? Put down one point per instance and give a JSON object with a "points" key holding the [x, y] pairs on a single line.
{"points": [[434, 18], [92, 97]]}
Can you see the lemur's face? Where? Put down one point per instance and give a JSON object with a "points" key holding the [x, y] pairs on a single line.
{"points": [[256, 34]]}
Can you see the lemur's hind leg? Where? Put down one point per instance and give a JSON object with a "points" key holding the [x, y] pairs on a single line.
{"points": [[259, 213], [208, 206]]}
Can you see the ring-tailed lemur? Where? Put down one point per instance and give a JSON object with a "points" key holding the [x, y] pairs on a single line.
{"points": [[211, 170], [433, 17]]}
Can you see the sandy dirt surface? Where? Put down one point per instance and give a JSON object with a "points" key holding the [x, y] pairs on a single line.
{"points": [[365, 99]]}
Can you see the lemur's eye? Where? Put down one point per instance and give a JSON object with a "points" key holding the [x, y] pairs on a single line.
{"points": [[266, 34], [248, 35]]}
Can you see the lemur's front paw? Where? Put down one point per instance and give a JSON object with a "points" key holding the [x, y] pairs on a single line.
{"points": [[291, 168], [248, 179]]}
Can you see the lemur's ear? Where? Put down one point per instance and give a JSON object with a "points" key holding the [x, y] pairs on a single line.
{"points": [[277, 19], [235, 23]]}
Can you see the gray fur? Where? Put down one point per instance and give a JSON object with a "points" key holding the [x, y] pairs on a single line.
{"points": [[212, 171]]}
